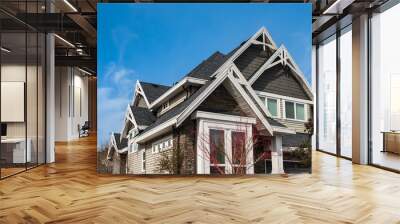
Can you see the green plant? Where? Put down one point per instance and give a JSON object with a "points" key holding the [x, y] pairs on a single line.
{"points": [[171, 161]]}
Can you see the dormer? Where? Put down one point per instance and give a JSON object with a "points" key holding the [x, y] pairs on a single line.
{"points": [[176, 95]]}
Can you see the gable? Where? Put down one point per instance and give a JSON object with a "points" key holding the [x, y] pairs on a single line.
{"points": [[140, 101], [221, 101], [252, 59], [153, 91], [280, 80]]}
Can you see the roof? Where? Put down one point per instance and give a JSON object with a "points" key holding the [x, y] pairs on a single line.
{"points": [[252, 59], [120, 143], [248, 63], [207, 67], [153, 91], [177, 110], [143, 116]]}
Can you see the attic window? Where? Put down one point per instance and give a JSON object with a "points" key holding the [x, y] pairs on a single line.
{"points": [[165, 105], [162, 145]]}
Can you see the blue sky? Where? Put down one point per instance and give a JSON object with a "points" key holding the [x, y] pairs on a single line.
{"points": [[160, 43]]}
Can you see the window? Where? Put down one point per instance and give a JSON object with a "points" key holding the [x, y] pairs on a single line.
{"points": [[295, 111], [165, 105], [289, 108], [272, 105], [238, 152], [162, 145], [144, 160], [327, 95], [300, 112], [154, 149], [133, 147], [217, 151], [385, 89]]}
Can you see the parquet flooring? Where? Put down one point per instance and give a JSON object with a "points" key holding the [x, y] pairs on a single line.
{"points": [[70, 191]]}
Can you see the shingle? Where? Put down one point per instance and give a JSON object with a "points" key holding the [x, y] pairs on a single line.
{"points": [[121, 143], [178, 109], [143, 116], [206, 68], [280, 80], [153, 91]]}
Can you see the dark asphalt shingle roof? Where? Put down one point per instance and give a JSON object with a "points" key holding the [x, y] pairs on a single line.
{"points": [[153, 91], [121, 143], [207, 67], [178, 109], [143, 116]]}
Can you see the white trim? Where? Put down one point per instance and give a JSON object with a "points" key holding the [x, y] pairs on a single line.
{"points": [[298, 71], [295, 111], [170, 106], [262, 30], [113, 144], [203, 146], [219, 79], [278, 104], [266, 65], [285, 56], [252, 93], [173, 89], [283, 130], [252, 105], [156, 144], [159, 128], [263, 44], [272, 95], [139, 91], [133, 147], [196, 102], [224, 117], [143, 152]]}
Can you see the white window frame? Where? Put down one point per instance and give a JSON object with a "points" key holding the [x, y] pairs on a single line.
{"points": [[162, 145], [143, 164], [295, 110], [278, 106], [165, 106], [229, 124]]}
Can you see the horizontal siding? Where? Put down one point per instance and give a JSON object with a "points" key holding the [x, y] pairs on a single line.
{"points": [[251, 60], [281, 81], [152, 159]]}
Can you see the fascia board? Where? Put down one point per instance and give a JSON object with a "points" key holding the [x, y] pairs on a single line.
{"points": [[201, 97], [175, 88], [252, 105]]}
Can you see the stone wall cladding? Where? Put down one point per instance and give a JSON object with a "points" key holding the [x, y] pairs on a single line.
{"points": [[187, 143], [152, 159]]}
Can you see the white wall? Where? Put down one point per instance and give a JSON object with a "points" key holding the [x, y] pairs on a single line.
{"points": [[71, 102]]}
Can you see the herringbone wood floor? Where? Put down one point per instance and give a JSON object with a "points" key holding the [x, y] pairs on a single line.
{"points": [[70, 191]]}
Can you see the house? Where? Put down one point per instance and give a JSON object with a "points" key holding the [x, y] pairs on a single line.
{"points": [[222, 116]]}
